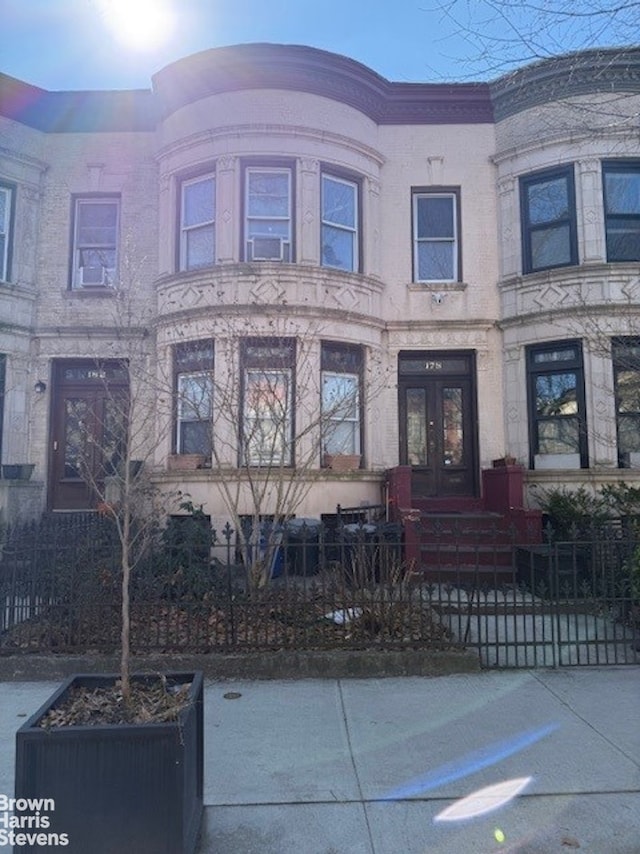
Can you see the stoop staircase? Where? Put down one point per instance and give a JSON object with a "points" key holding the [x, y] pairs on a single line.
{"points": [[461, 540]]}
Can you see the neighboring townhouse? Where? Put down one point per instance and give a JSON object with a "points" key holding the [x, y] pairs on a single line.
{"points": [[306, 260]]}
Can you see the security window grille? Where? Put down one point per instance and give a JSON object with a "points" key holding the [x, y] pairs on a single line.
{"points": [[435, 237], [621, 182], [194, 397], [339, 238], [197, 223], [548, 220], [268, 214], [95, 242]]}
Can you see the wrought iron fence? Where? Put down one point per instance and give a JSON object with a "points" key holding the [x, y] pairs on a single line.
{"points": [[561, 603]]}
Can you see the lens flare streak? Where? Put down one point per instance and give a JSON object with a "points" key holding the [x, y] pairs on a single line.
{"points": [[486, 756], [484, 800]]}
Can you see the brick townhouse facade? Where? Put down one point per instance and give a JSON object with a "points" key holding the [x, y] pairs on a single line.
{"points": [[270, 229]]}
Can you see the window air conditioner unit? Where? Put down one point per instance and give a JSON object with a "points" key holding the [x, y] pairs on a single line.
{"points": [[267, 249]]}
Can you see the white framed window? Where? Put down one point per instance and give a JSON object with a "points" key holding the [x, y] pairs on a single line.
{"points": [[197, 223], [193, 365], [339, 236], [436, 250], [341, 398], [268, 394], [268, 214], [95, 242], [6, 208]]}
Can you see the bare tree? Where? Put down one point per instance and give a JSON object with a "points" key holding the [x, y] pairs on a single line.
{"points": [[504, 34]]}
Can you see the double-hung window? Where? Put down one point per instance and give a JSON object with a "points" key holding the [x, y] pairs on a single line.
{"points": [[267, 402], [621, 181], [193, 370], [6, 219], [197, 223], [548, 210], [341, 380], [557, 405], [268, 205], [95, 242], [436, 244], [339, 237], [626, 377]]}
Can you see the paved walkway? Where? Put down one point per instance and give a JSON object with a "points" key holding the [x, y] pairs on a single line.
{"points": [[369, 766]]}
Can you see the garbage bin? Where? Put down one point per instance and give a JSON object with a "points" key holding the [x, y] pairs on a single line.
{"points": [[389, 552], [270, 536], [303, 546], [359, 553]]}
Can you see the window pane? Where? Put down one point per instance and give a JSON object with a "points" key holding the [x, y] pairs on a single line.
{"points": [[95, 265], [338, 202], [342, 438], [548, 201], [198, 202], [416, 427], [195, 437], [200, 250], [452, 426], [267, 418], [268, 228], [628, 434], [550, 247], [194, 397], [338, 247], [628, 390], [268, 194], [623, 240], [566, 354], [340, 396], [435, 261], [435, 216], [558, 436], [97, 224], [4, 209], [556, 394], [622, 192]]}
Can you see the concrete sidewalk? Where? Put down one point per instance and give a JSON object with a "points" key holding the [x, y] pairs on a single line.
{"points": [[366, 766]]}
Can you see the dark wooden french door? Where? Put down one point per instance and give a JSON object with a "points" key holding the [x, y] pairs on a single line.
{"points": [[88, 429], [438, 422]]}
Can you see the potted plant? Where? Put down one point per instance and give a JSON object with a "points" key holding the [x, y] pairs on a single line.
{"points": [[17, 471], [115, 787]]}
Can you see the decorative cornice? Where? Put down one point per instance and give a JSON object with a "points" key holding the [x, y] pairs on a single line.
{"points": [[305, 69], [588, 72]]}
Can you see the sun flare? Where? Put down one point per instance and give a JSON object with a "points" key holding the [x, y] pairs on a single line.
{"points": [[139, 24]]}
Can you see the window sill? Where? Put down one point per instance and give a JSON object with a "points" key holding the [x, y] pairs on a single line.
{"points": [[88, 293], [437, 287]]}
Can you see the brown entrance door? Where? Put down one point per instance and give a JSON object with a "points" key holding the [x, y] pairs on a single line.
{"points": [[88, 424], [437, 423]]}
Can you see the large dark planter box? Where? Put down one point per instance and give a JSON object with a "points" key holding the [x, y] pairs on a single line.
{"points": [[116, 789]]}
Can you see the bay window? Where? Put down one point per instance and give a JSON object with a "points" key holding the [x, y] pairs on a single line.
{"points": [[548, 211], [621, 182], [197, 223], [339, 237], [193, 384], [268, 201], [268, 390], [341, 381]]}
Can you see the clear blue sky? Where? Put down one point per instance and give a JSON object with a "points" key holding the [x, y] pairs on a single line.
{"points": [[79, 44]]}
